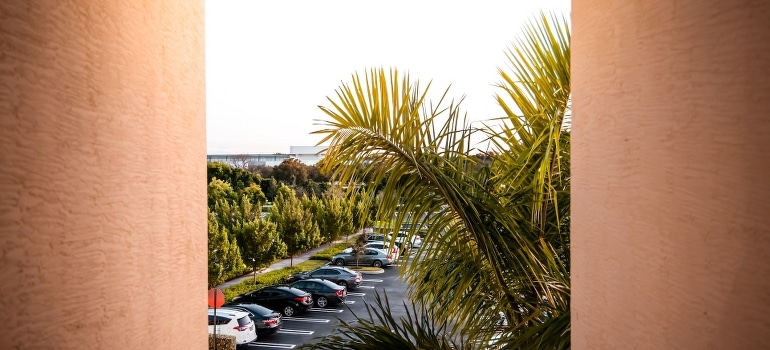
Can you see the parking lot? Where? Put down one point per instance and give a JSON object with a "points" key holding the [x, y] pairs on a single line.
{"points": [[318, 322]]}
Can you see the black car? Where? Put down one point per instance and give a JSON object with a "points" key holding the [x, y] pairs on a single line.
{"points": [[266, 320], [325, 293], [340, 275], [290, 301]]}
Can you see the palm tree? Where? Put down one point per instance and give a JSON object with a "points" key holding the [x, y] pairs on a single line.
{"points": [[497, 224]]}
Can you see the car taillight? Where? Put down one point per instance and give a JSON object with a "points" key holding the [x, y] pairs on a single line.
{"points": [[300, 299], [240, 328], [271, 321], [339, 292]]}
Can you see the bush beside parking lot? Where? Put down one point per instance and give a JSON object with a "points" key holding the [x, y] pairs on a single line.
{"points": [[326, 254], [224, 342]]}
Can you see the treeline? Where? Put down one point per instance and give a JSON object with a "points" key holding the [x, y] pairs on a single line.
{"points": [[254, 220]]}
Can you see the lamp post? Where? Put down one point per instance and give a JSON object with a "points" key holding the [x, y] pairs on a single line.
{"points": [[254, 267]]}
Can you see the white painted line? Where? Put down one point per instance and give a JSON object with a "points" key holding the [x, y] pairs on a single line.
{"points": [[336, 311], [310, 320], [375, 281], [366, 287], [271, 345], [352, 294], [350, 301], [295, 331]]}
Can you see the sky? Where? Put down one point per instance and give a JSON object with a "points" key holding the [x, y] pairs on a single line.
{"points": [[270, 64]]}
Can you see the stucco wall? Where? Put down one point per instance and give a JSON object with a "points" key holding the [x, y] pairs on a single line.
{"points": [[670, 201], [102, 154]]}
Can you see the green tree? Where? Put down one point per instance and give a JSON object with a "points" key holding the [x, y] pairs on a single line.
{"points": [[294, 222], [223, 253], [255, 195], [260, 244], [337, 219], [219, 189], [291, 172], [361, 205], [498, 233], [237, 177], [270, 188]]}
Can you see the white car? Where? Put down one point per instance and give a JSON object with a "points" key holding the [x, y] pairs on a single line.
{"points": [[233, 322], [416, 239]]}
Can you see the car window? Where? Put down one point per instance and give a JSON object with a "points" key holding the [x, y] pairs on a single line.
{"points": [[319, 272], [333, 272], [220, 320], [371, 252], [300, 285], [243, 321]]}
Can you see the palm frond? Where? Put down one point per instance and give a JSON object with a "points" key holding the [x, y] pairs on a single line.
{"points": [[499, 228]]}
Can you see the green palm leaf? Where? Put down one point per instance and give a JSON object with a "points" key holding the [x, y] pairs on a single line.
{"points": [[499, 235]]}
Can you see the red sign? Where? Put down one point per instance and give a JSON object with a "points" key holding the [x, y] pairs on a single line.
{"points": [[216, 298]]}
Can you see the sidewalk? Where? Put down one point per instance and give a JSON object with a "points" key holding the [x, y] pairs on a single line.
{"points": [[277, 265]]}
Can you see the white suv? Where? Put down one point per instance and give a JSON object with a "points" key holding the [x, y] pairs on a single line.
{"points": [[233, 322], [416, 239]]}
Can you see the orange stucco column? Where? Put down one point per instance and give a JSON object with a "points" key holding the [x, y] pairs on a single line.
{"points": [[102, 176], [670, 191]]}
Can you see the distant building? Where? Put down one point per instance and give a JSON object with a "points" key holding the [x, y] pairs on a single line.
{"points": [[308, 155]]}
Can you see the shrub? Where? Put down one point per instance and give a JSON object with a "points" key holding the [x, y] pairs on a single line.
{"points": [[269, 278], [223, 342], [326, 254]]}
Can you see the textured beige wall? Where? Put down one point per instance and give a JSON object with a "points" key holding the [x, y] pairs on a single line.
{"points": [[671, 189], [102, 154]]}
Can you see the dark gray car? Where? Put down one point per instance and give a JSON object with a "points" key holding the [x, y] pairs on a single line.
{"points": [[340, 275], [325, 293]]}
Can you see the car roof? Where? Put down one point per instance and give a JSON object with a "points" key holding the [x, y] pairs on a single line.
{"points": [[324, 282], [224, 311], [284, 288], [341, 268], [254, 308]]}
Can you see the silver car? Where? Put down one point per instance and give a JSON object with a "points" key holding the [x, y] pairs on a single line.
{"points": [[368, 257]]}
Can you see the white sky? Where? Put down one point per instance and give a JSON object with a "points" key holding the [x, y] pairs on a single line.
{"points": [[269, 64]]}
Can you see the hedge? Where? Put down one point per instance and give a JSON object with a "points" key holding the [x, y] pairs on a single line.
{"points": [[224, 342]]}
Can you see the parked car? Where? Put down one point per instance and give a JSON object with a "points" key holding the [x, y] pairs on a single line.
{"points": [[340, 275], [384, 246], [373, 257], [266, 320], [237, 323], [325, 293], [289, 301], [376, 237], [415, 242]]}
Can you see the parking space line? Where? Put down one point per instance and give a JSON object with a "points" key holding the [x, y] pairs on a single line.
{"points": [[353, 294], [310, 320], [366, 287], [375, 281], [295, 331], [271, 345], [350, 301], [336, 311]]}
